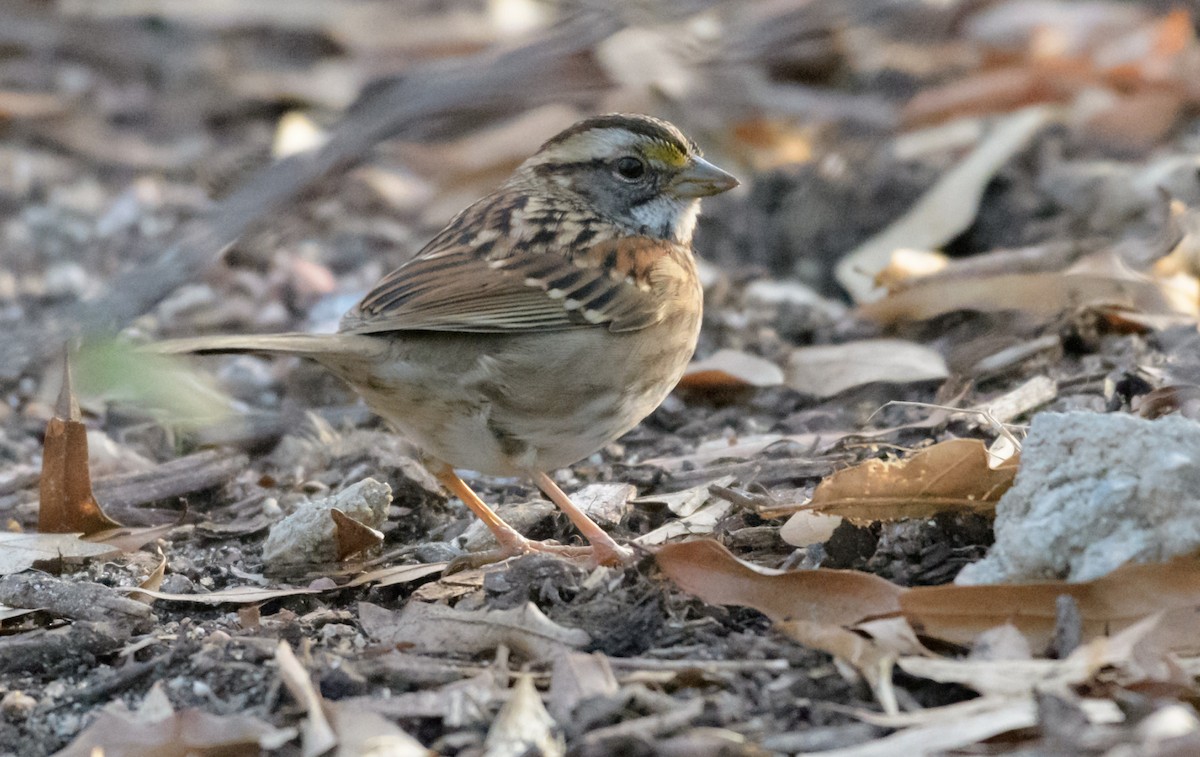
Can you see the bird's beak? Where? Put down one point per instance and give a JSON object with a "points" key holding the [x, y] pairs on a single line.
{"points": [[702, 179]]}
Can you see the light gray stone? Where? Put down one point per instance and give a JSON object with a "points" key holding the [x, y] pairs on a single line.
{"points": [[1093, 492], [308, 534]]}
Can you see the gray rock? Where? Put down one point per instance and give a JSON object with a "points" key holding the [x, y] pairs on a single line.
{"points": [[1093, 492], [308, 534]]}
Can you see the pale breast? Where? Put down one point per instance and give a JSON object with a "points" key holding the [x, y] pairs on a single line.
{"points": [[508, 404]]}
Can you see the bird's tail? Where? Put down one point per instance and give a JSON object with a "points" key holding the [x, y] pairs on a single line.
{"points": [[315, 346]]}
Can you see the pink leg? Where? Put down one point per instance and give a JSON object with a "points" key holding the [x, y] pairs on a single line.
{"points": [[605, 551], [511, 543]]}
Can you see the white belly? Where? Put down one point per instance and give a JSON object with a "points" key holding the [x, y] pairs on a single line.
{"points": [[508, 405]]}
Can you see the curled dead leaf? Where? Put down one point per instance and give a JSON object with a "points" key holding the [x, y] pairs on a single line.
{"points": [[152, 581], [353, 537], [66, 502], [1103, 281], [156, 729], [20, 552], [707, 570], [1107, 604], [947, 209], [422, 625], [730, 369], [950, 475]]}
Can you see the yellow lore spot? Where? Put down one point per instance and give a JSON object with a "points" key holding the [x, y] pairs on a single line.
{"points": [[664, 152]]}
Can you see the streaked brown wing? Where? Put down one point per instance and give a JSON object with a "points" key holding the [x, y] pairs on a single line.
{"points": [[448, 289]]}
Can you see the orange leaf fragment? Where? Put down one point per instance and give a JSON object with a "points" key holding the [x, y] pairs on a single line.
{"points": [[707, 570], [67, 504], [951, 475], [352, 537], [998, 90], [731, 369]]}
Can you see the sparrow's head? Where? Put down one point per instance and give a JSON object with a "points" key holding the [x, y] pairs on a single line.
{"points": [[638, 171]]}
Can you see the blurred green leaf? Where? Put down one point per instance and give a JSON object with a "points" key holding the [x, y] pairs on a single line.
{"points": [[168, 385]]}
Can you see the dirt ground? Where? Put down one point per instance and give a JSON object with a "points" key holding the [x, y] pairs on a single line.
{"points": [[144, 190]]}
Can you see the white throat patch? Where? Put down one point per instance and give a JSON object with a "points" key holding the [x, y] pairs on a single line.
{"points": [[672, 217]]}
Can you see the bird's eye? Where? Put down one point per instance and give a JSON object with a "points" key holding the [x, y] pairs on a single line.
{"points": [[631, 168]]}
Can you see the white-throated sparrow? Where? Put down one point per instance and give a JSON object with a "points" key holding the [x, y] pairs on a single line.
{"points": [[542, 323]]}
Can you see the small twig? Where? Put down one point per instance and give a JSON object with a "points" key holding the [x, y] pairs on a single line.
{"points": [[720, 666], [651, 725], [121, 679], [1000, 428]]}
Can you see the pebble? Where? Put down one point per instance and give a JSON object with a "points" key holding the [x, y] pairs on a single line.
{"points": [[17, 705], [175, 583], [67, 279]]}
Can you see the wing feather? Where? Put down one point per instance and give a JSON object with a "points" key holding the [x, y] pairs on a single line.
{"points": [[523, 281]]}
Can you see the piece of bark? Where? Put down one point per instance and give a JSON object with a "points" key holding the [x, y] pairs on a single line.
{"points": [[766, 472], [74, 645], [77, 600], [175, 478]]}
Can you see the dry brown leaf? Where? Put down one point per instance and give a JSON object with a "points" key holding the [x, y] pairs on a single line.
{"points": [[686, 501], [523, 726], [1106, 283], [153, 581], [767, 143], [1153, 54], [947, 209], [316, 734], [452, 586], [397, 574], [130, 539], [577, 677], [20, 552], [828, 370], [1149, 69], [872, 661], [362, 733], [66, 503], [525, 629], [994, 91], [707, 570], [1107, 604], [906, 265], [353, 537], [946, 735], [950, 475], [238, 595], [157, 730], [1137, 121], [702, 521], [606, 504], [1177, 398], [726, 370], [1138, 654]]}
